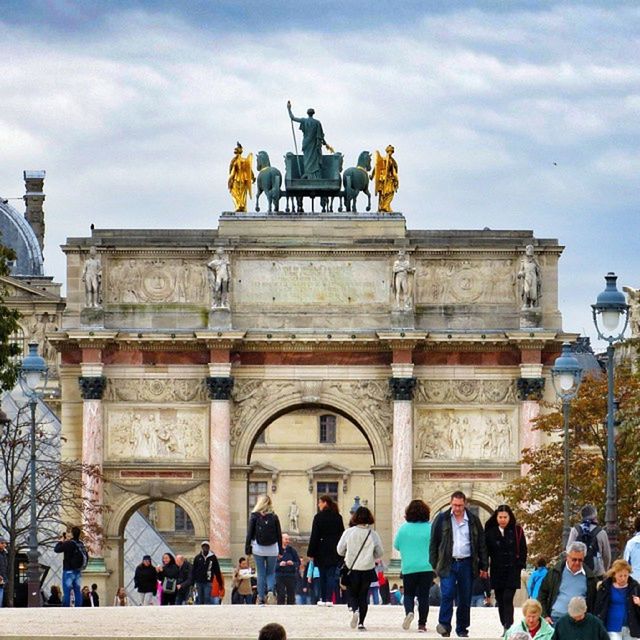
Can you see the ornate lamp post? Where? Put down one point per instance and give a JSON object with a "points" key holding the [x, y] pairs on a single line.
{"points": [[566, 374], [33, 376], [610, 308]]}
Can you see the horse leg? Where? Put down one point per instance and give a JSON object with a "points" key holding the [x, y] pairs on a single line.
{"points": [[258, 200], [366, 190], [276, 192]]}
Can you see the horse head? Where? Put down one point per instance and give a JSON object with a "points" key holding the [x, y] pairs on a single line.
{"points": [[262, 160], [364, 160]]}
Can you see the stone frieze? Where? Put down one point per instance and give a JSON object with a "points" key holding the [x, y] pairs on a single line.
{"points": [[465, 391], [156, 390]]}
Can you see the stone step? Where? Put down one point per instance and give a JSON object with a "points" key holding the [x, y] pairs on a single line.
{"points": [[232, 622]]}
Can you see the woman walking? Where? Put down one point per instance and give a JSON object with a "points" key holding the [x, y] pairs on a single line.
{"points": [[145, 580], [168, 575], [507, 548], [361, 547], [411, 540], [326, 530], [618, 602], [264, 542]]}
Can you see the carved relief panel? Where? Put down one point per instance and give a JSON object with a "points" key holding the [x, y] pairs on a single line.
{"points": [[490, 281], [155, 390], [466, 434], [154, 281], [465, 390], [167, 434]]}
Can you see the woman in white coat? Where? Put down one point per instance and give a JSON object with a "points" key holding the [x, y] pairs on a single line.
{"points": [[361, 547]]}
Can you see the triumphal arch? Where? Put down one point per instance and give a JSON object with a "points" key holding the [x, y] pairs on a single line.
{"points": [[299, 351]]}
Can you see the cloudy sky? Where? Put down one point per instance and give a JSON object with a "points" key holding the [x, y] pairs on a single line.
{"points": [[510, 115]]}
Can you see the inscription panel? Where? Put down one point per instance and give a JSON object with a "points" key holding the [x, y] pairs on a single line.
{"points": [[160, 433], [296, 283]]}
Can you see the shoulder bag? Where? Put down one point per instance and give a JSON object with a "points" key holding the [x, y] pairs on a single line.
{"points": [[345, 572]]}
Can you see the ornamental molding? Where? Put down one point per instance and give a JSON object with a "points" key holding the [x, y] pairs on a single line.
{"points": [[92, 387]]}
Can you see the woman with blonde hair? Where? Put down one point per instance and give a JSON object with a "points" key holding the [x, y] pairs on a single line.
{"points": [[532, 622], [618, 602], [264, 542], [121, 599]]}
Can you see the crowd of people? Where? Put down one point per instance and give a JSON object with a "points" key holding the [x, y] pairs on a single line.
{"points": [[453, 561]]}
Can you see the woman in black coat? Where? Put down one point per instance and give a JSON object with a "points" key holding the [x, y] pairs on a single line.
{"points": [[145, 580], [168, 574], [326, 531], [507, 548], [620, 608]]}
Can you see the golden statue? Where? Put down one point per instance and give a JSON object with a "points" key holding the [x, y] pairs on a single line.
{"points": [[240, 178], [385, 172]]}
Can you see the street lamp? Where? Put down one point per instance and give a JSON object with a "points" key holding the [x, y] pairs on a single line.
{"points": [[609, 309], [33, 376], [566, 375]]}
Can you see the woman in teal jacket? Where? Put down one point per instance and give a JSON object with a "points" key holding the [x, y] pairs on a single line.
{"points": [[412, 541], [532, 622]]}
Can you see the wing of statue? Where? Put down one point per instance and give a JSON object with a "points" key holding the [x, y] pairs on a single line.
{"points": [[634, 294], [380, 172], [247, 173]]}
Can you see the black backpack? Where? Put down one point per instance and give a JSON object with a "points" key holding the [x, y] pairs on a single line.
{"points": [[79, 556], [266, 530], [590, 538]]}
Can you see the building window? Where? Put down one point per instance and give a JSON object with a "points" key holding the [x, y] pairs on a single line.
{"points": [[327, 429], [183, 522], [256, 489], [17, 337], [328, 488]]}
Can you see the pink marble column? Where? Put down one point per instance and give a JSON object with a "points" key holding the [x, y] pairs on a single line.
{"points": [[92, 462], [220, 466], [402, 461], [529, 411]]}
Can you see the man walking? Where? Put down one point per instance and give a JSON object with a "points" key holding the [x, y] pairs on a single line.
{"points": [[205, 566], [183, 586], [632, 550], [566, 580], [4, 568], [457, 553], [286, 572], [74, 561], [598, 555]]}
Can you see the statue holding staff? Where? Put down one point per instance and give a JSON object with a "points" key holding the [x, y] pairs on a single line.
{"points": [[385, 172], [312, 143]]}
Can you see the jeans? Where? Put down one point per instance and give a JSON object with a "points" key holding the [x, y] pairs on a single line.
{"points": [[203, 590], [328, 582], [71, 582], [182, 595], [1, 595], [477, 601], [417, 585], [265, 574], [457, 586], [374, 594]]}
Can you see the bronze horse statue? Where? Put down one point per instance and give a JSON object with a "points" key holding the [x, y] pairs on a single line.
{"points": [[355, 180], [269, 182]]}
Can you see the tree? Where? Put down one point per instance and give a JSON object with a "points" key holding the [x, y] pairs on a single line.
{"points": [[59, 485], [537, 497], [9, 351]]}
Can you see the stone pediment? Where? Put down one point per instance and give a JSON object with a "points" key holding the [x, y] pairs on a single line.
{"points": [[265, 470], [19, 289], [329, 469]]}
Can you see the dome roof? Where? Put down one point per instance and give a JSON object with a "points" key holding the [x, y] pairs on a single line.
{"points": [[15, 232]]}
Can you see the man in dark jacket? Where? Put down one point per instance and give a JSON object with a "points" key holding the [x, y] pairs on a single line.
{"points": [[205, 566], [71, 567], [286, 572], [4, 567], [457, 553], [183, 586], [567, 580], [577, 624]]}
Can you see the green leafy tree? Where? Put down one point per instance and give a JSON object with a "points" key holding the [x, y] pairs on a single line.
{"points": [[537, 498], [8, 326]]}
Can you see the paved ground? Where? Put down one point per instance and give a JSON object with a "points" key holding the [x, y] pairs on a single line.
{"points": [[222, 622]]}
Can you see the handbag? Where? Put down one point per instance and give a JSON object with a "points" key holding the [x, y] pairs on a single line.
{"points": [[217, 589], [169, 585], [345, 572]]}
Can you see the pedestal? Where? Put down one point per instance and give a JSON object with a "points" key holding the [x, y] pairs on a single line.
{"points": [[403, 319], [531, 318], [220, 318], [92, 317]]}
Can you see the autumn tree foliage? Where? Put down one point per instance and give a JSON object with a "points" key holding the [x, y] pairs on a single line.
{"points": [[537, 497]]}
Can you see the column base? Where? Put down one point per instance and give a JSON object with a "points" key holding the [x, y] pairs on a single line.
{"points": [[96, 565]]}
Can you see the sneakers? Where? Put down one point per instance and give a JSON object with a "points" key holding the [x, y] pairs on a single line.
{"points": [[271, 599], [408, 619], [422, 628], [328, 604], [445, 632], [320, 603], [361, 627], [354, 619]]}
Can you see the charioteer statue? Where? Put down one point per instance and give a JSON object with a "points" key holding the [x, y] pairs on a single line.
{"points": [[312, 143]]}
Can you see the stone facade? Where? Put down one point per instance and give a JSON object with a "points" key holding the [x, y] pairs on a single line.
{"points": [[204, 402]]}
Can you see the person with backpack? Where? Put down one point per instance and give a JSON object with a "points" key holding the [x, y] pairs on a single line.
{"points": [[74, 560], [264, 542], [536, 577], [507, 549], [598, 557]]}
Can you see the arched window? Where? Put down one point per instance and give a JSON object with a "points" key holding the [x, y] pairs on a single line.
{"points": [[18, 337]]}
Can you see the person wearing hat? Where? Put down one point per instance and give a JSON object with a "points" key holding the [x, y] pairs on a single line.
{"points": [[204, 567], [145, 580], [4, 567], [598, 557]]}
